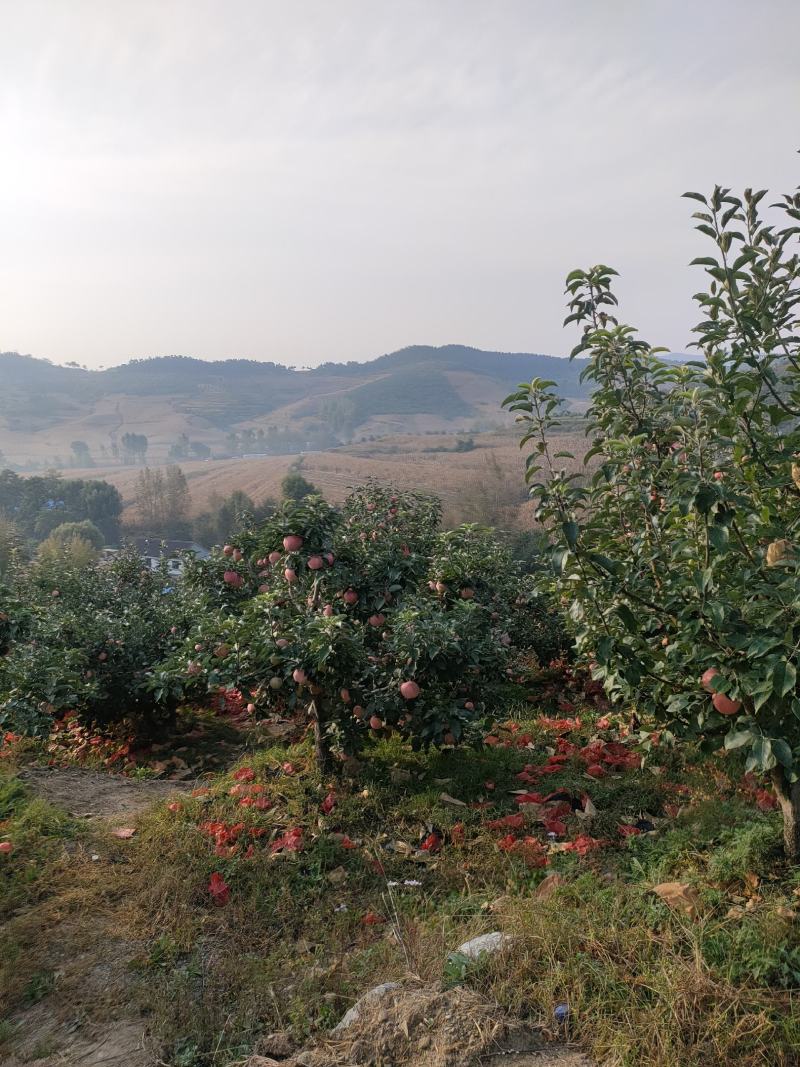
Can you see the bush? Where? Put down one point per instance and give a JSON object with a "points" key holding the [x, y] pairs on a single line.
{"points": [[84, 640]]}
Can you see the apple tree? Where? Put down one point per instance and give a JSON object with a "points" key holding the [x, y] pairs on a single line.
{"points": [[678, 551]]}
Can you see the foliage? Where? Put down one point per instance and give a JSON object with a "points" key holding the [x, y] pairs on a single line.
{"points": [[162, 501], [88, 643], [295, 487], [225, 516], [370, 596], [39, 504], [679, 557], [86, 530], [70, 551]]}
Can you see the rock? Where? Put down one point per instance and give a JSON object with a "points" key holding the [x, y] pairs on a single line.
{"points": [[490, 943], [354, 1013]]}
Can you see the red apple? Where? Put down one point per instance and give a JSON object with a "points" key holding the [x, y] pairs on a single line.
{"points": [[315, 563], [724, 705], [292, 543], [409, 690]]}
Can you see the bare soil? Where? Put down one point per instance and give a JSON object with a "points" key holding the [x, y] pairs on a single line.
{"points": [[97, 794]]}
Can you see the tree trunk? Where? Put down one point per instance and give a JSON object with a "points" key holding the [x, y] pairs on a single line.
{"points": [[788, 794], [322, 748]]}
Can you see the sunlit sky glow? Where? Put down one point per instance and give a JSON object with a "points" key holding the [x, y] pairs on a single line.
{"points": [[333, 179]]}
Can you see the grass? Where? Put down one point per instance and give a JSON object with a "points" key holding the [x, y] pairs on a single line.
{"points": [[303, 933]]}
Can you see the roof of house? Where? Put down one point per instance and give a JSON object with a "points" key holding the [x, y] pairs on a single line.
{"points": [[157, 547]]}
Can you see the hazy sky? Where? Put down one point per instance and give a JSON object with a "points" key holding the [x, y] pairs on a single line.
{"points": [[302, 180]]}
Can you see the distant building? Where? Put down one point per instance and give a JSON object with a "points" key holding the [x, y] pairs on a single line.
{"points": [[153, 550]]}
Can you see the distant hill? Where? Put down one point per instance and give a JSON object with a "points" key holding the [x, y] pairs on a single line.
{"points": [[240, 405]]}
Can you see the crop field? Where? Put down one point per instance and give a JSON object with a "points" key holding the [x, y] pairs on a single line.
{"points": [[487, 479]]}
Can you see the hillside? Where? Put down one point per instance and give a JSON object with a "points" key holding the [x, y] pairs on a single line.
{"points": [[246, 407]]}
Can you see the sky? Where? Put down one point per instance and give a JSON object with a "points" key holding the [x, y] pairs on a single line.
{"points": [[319, 180]]}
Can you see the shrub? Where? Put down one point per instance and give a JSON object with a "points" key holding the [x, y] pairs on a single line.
{"points": [[84, 640]]}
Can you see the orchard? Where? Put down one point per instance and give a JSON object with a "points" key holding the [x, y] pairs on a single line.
{"points": [[363, 621], [679, 556]]}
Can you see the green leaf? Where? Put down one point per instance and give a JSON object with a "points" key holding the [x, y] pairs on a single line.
{"points": [[783, 753], [719, 537], [784, 678], [571, 531], [761, 756], [738, 739], [628, 618]]}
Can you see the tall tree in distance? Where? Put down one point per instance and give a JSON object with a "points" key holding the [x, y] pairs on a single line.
{"points": [[295, 487], [162, 502], [134, 447], [81, 454]]}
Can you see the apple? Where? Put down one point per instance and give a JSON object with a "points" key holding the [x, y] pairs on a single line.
{"points": [[707, 677], [273, 557], [290, 574], [275, 682], [409, 690], [299, 676], [350, 596], [724, 704], [292, 543], [227, 550], [315, 563]]}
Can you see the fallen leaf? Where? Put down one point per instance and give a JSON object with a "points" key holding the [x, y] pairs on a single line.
{"points": [[453, 801], [337, 875], [398, 775], [548, 886], [124, 832], [680, 896]]}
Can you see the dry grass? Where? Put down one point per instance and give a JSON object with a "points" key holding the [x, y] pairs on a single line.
{"points": [[485, 484]]}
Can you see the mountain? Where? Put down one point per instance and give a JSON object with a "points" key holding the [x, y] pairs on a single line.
{"points": [[245, 406]]}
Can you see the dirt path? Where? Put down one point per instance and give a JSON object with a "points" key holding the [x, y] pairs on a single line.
{"points": [[96, 794]]}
